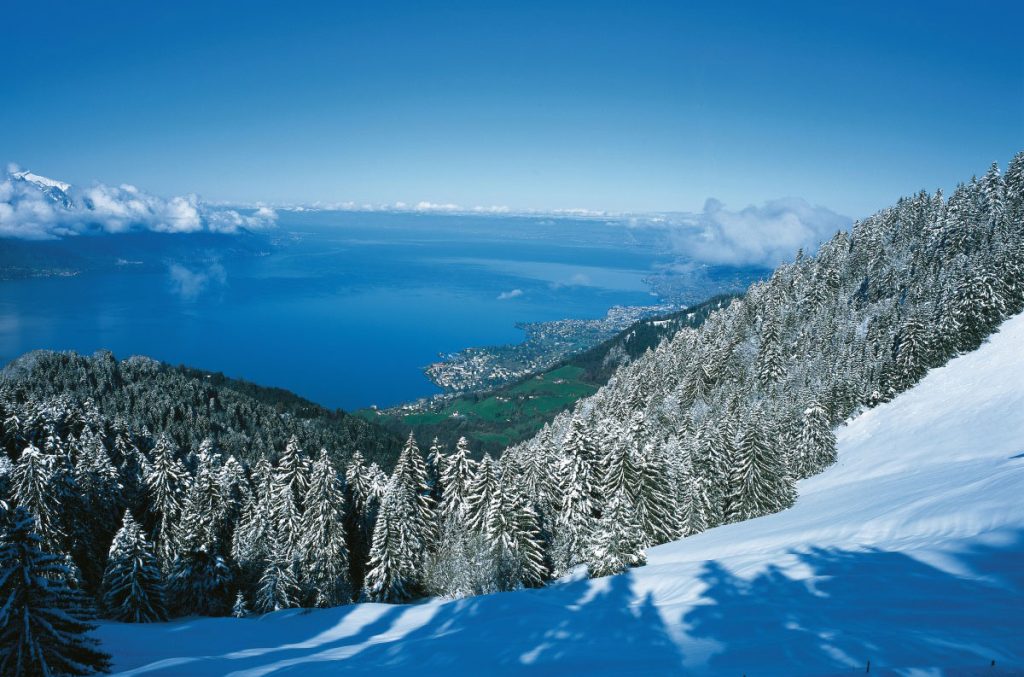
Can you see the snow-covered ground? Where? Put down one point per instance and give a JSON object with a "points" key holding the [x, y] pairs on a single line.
{"points": [[909, 553]]}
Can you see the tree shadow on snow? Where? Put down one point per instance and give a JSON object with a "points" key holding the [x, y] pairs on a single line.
{"points": [[839, 609], [886, 607], [585, 626]]}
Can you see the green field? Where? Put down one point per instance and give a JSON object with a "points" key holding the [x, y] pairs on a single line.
{"points": [[500, 418]]}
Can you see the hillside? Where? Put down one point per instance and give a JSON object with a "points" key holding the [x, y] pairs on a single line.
{"points": [[243, 419], [501, 417], [907, 552]]}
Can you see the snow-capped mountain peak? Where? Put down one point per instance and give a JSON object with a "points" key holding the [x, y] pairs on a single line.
{"points": [[41, 181]]}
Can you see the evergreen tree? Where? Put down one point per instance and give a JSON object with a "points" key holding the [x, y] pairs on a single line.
{"points": [[255, 532], [759, 484], [977, 308], [361, 502], [323, 537], [816, 449], [165, 485], [653, 498], [43, 622], [290, 480], [436, 462], [392, 574], [199, 525], [200, 583], [458, 473], [133, 588], [697, 505], [770, 365], [411, 473], [480, 499], [513, 532], [291, 472], [578, 489], [279, 585], [616, 545], [240, 609], [913, 353], [34, 487]]}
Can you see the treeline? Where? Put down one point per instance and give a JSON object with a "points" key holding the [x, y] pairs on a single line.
{"points": [[147, 521]]}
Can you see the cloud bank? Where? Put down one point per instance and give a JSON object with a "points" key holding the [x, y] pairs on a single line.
{"points": [[33, 207], [764, 235], [512, 294]]}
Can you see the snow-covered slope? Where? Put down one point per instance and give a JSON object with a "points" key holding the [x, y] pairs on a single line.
{"points": [[909, 553]]}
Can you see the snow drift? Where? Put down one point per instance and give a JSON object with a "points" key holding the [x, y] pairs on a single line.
{"points": [[908, 553]]}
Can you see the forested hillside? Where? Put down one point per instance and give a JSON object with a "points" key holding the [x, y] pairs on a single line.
{"points": [[143, 397], [716, 424], [123, 470]]}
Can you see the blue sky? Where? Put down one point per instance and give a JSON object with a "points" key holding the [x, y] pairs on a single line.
{"points": [[610, 106]]}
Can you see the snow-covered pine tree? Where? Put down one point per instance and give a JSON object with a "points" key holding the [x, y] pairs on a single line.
{"points": [[290, 480], [200, 582], [254, 534], [653, 497], [977, 308], [770, 364], [358, 484], [44, 623], [759, 483], [1013, 197], [96, 478], [411, 473], [616, 544], [233, 488], [325, 564], [578, 480], [278, 585], [240, 609], [480, 496], [697, 505], [816, 449], [465, 566], [199, 525], [133, 586], [913, 354], [291, 470], [34, 488], [165, 484], [513, 533], [458, 473], [392, 571], [717, 462], [361, 503], [436, 461]]}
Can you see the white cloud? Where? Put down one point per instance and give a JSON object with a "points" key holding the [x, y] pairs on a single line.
{"points": [[512, 294], [189, 284], [763, 235], [425, 206], [37, 208]]}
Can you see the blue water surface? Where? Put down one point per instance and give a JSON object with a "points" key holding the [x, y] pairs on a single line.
{"points": [[343, 308]]}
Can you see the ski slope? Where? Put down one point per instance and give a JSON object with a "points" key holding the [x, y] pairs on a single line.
{"points": [[909, 552]]}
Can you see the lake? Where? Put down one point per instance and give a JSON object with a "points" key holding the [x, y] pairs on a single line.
{"points": [[344, 308]]}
